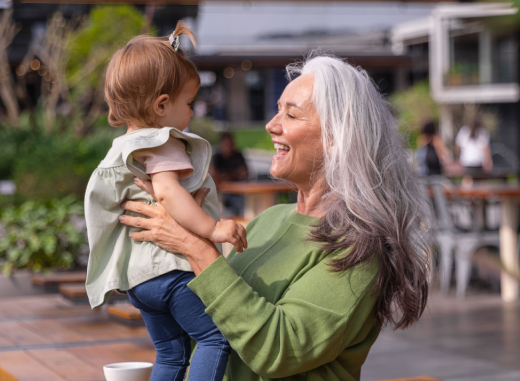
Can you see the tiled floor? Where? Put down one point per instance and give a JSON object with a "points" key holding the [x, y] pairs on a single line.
{"points": [[474, 339]]}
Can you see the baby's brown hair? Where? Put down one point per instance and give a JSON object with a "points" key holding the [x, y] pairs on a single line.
{"points": [[141, 71]]}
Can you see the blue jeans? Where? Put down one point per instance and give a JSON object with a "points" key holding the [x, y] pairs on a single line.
{"points": [[172, 313]]}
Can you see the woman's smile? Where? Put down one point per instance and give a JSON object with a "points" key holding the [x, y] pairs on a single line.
{"points": [[296, 134], [281, 150]]}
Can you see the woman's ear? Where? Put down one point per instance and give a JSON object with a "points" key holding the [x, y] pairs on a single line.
{"points": [[160, 104]]}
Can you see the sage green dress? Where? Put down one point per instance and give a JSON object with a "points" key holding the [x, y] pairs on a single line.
{"points": [[116, 262]]}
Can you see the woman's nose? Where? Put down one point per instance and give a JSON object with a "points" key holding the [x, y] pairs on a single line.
{"points": [[274, 127]]}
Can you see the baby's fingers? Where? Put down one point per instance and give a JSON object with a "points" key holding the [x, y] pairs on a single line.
{"points": [[145, 185], [237, 242], [242, 234]]}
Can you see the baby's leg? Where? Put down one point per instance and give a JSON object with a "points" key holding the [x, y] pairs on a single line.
{"points": [[210, 359], [172, 343]]}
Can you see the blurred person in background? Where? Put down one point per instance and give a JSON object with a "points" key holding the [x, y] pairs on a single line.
{"points": [[431, 151], [228, 164], [473, 148]]}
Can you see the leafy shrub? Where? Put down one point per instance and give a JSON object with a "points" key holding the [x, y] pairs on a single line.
{"points": [[10, 141], [45, 165], [41, 236], [253, 138], [415, 107], [56, 165], [205, 129], [108, 28]]}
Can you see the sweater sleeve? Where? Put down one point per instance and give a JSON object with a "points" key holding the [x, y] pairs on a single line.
{"points": [[320, 315]]}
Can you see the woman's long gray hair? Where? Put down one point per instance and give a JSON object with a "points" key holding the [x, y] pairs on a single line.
{"points": [[373, 203]]}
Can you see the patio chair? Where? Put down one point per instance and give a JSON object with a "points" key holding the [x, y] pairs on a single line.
{"points": [[454, 241], [503, 157]]}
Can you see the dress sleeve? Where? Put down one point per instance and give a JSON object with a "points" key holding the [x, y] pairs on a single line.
{"points": [[319, 315], [171, 156]]}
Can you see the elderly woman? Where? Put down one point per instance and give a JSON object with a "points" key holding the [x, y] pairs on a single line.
{"points": [[319, 279]]}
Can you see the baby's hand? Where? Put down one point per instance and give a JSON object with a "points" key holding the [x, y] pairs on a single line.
{"points": [[232, 232]]}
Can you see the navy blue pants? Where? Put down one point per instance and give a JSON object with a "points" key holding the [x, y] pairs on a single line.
{"points": [[172, 314]]}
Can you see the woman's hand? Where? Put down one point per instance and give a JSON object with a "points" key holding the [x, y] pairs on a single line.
{"points": [[161, 229]]}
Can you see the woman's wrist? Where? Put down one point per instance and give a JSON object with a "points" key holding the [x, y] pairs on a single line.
{"points": [[200, 253]]}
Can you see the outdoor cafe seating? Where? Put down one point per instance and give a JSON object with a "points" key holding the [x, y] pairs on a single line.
{"points": [[456, 242], [460, 226]]}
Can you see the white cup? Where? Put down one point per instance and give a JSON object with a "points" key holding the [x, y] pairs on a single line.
{"points": [[128, 371]]}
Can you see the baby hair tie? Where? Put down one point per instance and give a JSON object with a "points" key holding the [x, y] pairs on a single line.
{"points": [[175, 42]]}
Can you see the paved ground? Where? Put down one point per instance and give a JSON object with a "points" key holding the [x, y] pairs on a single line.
{"points": [[475, 339]]}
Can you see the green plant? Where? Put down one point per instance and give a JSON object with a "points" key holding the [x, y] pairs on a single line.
{"points": [[462, 73], [54, 165], [253, 138], [108, 28], [40, 236], [73, 54], [88, 50], [47, 165], [503, 23], [415, 107], [205, 129], [10, 140]]}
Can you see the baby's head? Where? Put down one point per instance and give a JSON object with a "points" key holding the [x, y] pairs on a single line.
{"points": [[150, 84]]}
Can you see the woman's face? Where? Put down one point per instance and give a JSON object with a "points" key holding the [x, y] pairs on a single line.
{"points": [[296, 133]]}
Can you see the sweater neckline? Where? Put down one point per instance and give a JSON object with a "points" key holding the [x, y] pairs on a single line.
{"points": [[301, 219]]}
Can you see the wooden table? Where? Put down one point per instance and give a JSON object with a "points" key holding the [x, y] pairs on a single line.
{"points": [[420, 378], [509, 195], [493, 175], [258, 195]]}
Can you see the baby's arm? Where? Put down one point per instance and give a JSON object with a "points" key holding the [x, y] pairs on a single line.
{"points": [[183, 208]]}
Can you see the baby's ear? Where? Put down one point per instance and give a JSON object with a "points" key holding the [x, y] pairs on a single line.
{"points": [[160, 104]]}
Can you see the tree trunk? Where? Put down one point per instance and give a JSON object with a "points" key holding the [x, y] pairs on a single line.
{"points": [[7, 91]]}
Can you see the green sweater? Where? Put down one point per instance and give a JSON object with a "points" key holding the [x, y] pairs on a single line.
{"points": [[284, 312]]}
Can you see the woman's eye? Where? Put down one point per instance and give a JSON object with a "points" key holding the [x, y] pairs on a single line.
{"points": [[291, 116]]}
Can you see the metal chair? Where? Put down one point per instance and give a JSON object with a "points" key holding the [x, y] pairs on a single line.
{"points": [[454, 240]]}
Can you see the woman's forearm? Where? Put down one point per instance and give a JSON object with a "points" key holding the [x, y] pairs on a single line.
{"points": [[200, 254]]}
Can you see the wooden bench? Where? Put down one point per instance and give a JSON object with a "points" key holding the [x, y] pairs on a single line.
{"points": [[52, 281], [77, 293], [126, 313], [419, 378]]}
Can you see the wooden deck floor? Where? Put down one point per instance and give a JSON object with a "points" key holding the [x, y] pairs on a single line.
{"points": [[47, 338]]}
